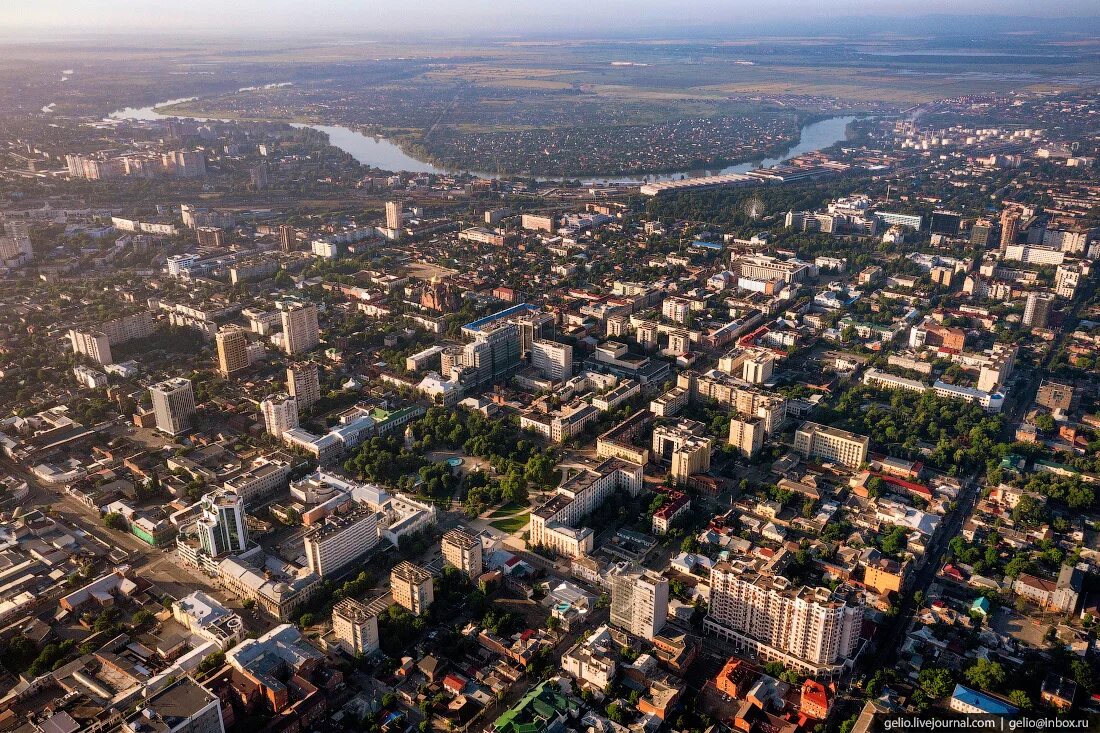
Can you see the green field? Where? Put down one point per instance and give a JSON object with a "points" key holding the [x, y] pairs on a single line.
{"points": [[513, 524], [507, 510]]}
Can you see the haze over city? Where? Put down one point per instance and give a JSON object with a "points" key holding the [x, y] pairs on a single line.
{"points": [[535, 18], [615, 367]]}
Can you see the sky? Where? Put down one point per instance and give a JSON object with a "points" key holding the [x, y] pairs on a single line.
{"points": [[485, 18]]}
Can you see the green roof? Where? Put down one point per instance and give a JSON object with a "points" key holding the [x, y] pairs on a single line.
{"points": [[539, 706]]}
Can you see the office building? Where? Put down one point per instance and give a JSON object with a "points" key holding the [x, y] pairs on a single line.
{"points": [[301, 331], [553, 360], [1037, 309], [95, 345], [206, 618], [747, 435], [493, 355], [1056, 396], [173, 405], [209, 237], [411, 587], [232, 343], [538, 222], [890, 218], [765, 268], [813, 440], [184, 706], [981, 233], [355, 626], [812, 630], [395, 215], [684, 447], [340, 539], [222, 528], [554, 522], [303, 382], [945, 222], [463, 551], [280, 413], [263, 477], [639, 599]]}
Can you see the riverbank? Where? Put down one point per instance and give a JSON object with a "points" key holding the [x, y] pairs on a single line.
{"points": [[400, 154]]}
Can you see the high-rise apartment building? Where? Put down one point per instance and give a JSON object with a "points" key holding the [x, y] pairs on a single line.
{"points": [[280, 413], [301, 331], [340, 539], [395, 214], [1010, 227], [747, 435], [639, 599], [355, 626], [1037, 309], [812, 630], [553, 360], [96, 345], [684, 447], [757, 369], [304, 384], [813, 440], [288, 238], [462, 550], [232, 343], [15, 243], [411, 587], [222, 527], [173, 405]]}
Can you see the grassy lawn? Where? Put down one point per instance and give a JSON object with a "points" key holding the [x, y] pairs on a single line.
{"points": [[514, 524], [506, 510]]}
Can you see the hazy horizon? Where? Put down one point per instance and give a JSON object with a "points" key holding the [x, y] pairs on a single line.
{"points": [[381, 19]]}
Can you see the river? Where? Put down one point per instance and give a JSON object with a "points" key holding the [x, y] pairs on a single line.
{"points": [[378, 152]]}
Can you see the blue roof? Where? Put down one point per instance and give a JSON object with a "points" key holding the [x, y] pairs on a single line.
{"points": [[476, 325], [985, 703], [982, 604], [708, 245]]}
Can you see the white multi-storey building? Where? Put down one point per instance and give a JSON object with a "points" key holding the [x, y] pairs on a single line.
{"points": [[280, 414], [813, 440], [639, 600], [553, 524], [411, 587], [355, 626], [205, 617], [95, 345], [463, 551], [812, 630], [554, 360], [301, 331], [591, 661], [222, 528], [340, 539], [173, 405], [304, 384], [684, 446]]}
